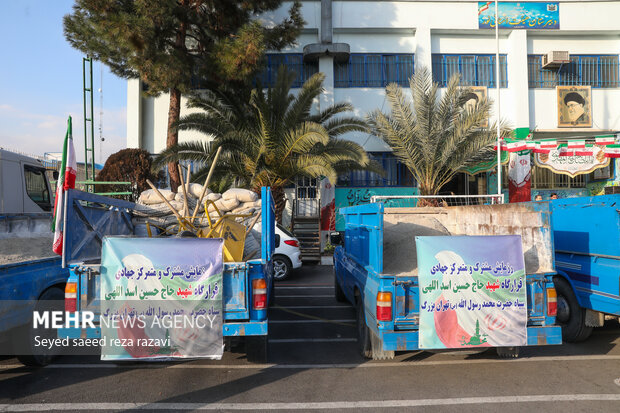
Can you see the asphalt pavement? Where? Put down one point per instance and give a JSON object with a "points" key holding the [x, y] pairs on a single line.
{"points": [[314, 366]]}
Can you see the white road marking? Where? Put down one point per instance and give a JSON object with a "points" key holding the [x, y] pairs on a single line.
{"points": [[369, 364], [299, 288], [368, 404], [304, 296], [309, 321]]}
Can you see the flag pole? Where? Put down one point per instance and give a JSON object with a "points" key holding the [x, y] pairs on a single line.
{"points": [[497, 84]]}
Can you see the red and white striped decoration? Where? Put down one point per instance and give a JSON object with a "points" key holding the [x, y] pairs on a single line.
{"points": [[576, 144], [584, 152], [612, 152], [549, 144], [610, 140]]}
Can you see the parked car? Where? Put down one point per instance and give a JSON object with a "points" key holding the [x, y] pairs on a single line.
{"points": [[287, 255]]}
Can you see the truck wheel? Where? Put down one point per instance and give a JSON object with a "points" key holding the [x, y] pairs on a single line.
{"points": [[340, 297], [508, 352], [256, 348], [50, 300], [281, 267], [363, 334], [571, 316]]}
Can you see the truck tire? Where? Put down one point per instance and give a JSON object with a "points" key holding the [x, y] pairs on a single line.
{"points": [[508, 352], [363, 334], [257, 349], [340, 297], [50, 300], [571, 316]]}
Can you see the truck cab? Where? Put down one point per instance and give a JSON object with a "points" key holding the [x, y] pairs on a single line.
{"points": [[24, 187], [31, 275]]}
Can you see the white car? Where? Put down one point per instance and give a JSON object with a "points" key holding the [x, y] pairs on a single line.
{"points": [[287, 255]]}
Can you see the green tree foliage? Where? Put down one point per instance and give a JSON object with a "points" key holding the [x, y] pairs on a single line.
{"points": [[268, 138], [128, 165], [436, 137], [166, 42]]}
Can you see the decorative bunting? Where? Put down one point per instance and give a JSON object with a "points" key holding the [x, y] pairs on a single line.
{"points": [[567, 147], [606, 140], [576, 144]]}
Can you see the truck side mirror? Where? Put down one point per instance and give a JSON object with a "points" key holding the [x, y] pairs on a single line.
{"points": [[55, 175], [335, 238]]}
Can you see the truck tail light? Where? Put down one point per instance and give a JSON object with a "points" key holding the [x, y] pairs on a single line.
{"points": [[71, 297], [259, 294], [384, 306], [292, 242], [552, 302]]}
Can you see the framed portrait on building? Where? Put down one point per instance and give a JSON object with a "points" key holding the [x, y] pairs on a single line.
{"points": [[574, 106], [474, 95]]}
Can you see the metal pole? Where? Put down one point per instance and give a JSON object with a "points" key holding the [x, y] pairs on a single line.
{"points": [[92, 123], [497, 84]]}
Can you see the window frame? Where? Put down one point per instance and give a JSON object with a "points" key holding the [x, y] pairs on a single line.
{"points": [[46, 202], [401, 60], [368, 179], [442, 80], [563, 77], [268, 75]]}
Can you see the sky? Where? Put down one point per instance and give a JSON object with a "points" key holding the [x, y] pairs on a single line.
{"points": [[41, 84]]}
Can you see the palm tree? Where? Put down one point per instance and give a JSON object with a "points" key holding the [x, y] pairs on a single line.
{"points": [[435, 138], [269, 138]]}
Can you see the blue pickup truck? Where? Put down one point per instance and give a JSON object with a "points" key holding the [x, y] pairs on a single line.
{"points": [[377, 269], [247, 286], [587, 259], [31, 275]]}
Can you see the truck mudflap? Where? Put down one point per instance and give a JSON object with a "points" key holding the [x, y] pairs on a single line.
{"points": [[408, 340]]}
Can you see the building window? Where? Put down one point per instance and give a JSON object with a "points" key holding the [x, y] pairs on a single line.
{"points": [[583, 70], [294, 62], [543, 178], [475, 69], [397, 174], [374, 70]]}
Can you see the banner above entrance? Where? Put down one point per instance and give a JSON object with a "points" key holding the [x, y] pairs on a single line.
{"points": [[519, 15], [572, 165]]}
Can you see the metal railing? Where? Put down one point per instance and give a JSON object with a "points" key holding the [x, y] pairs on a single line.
{"points": [[437, 200], [475, 69], [594, 71], [307, 207], [374, 70], [543, 178], [294, 62]]}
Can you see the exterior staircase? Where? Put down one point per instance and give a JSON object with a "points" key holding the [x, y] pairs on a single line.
{"points": [[307, 231]]}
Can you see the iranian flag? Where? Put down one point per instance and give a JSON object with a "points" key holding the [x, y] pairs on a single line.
{"points": [[549, 144], [605, 140], [66, 180]]}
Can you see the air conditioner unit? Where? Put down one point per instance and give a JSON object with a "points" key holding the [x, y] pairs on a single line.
{"points": [[555, 59]]}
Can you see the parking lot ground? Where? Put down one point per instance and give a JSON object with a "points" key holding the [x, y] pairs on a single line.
{"points": [[314, 365]]}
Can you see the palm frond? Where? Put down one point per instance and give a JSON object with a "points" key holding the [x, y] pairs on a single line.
{"points": [[434, 137]]}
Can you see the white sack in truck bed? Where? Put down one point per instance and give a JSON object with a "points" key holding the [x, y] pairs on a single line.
{"points": [[401, 225]]}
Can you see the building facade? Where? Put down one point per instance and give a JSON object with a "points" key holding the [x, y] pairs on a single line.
{"points": [[547, 50]]}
